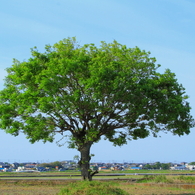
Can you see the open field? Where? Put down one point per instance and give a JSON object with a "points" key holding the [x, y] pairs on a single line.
{"points": [[132, 184], [106, 174], [47, 187], [73, 172]]}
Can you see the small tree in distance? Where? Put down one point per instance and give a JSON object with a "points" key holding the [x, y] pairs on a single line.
{"points": [[86, 93]]}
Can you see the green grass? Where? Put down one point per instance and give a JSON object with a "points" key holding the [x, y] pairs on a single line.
{"points": [[187, 179], [91, 188], [96, 187], [69, 172], [167, 179], [152, 171], [156, 179]]}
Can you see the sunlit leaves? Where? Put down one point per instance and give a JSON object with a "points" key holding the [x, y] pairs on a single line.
{"points": [[111, 91]]}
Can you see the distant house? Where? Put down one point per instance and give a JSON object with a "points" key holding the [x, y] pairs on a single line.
{"points": [[180, 167], [3, 165], [41, 169], [102, 168], [119, 168], [15, 165], [30, 166], [183, 163], [135, 168]]}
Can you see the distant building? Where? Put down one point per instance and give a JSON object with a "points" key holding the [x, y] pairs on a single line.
{"points": [[15, 165], [135, 168], [3, 165]]}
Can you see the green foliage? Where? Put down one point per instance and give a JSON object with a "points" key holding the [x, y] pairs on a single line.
{"points": [[52, 164], [187, 179], [155, 179], [113, 91], [158, 165], [192, 163], [91, 188], [86, 93], [162, 179], [76, 157], [165, 179]]}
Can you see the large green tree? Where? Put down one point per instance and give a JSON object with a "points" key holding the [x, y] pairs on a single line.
{"points": [[88, 92]]}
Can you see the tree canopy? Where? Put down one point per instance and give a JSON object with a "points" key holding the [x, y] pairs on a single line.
{"points": [[88, 92]]}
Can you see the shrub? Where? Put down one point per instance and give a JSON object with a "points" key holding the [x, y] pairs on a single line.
{"points": [[188, 179], [155, 179], [91, 188]]}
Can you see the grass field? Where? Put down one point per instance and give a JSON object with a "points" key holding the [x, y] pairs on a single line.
{"points": [[53, 187], [132, 184]]}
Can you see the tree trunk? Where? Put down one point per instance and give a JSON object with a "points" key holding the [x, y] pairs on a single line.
{"points": [[86, 173]]}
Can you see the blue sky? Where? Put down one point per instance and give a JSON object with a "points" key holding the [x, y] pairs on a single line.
{"points": [[163, 27]]}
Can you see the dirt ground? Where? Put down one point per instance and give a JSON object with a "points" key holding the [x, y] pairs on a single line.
{"points": [[31, 187]]}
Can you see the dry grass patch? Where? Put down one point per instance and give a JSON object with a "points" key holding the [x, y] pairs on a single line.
{"points": [[53, 187], [31, 187], [142, 189]]}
